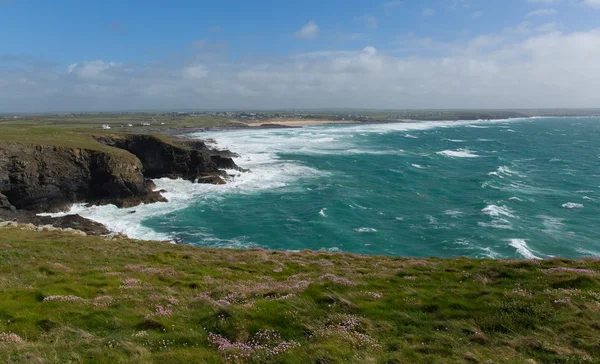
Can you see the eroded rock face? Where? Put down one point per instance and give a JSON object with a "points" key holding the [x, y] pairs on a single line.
{"points": [[50, 178], [5, 206], [189, 160]]}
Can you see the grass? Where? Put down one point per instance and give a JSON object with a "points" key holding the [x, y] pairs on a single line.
{"points": [[120, 122], [40, 135], [89, 299]]}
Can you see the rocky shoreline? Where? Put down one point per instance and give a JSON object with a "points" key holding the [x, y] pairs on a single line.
{"points": [[117, 169]]}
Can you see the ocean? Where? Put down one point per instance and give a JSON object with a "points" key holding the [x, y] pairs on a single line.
{"points": [[520, 188]]}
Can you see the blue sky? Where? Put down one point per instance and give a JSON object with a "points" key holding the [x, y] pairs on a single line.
{"points": [[109, 55]]}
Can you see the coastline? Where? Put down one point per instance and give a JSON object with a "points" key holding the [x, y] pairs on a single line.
{"points": [[179, 134]]}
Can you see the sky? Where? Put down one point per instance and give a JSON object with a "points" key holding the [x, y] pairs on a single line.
{"points": [[73, 55]]}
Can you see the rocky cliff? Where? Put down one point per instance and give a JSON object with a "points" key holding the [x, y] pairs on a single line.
{"points": [[38, 177], [174, 158]]}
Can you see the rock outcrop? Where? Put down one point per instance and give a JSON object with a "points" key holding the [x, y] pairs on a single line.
{"points": [[189, 160], [50, 178]]}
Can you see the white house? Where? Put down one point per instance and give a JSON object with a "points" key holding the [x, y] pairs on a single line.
{"points": [[105, 126]]}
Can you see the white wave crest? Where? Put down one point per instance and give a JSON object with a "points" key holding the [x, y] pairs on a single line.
{"points": [[495, 211], [322, 212], [521, 246], [503, 171], [572, 205], [365, 230], [459, 153]]}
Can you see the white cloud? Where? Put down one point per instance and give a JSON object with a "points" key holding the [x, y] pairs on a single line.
{"points": [[428, 12], [592, 3], [476, 14], [309, 31], [195, 72], [542, 12], [517, 68], [92, 70]]}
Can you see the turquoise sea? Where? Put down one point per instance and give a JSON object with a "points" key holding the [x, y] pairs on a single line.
{"points": [[522, 188]]}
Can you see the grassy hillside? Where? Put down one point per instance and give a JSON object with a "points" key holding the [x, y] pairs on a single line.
{"points": [[41, 135], [67, 298]]}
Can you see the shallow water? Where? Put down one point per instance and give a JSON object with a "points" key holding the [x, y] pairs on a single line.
{"points": [[525, 188]]}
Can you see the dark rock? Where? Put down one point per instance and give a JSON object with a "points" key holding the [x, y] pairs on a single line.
{"points": [[212, 179], [5, 206], [74, 222], [173, 158], [49, 178]]}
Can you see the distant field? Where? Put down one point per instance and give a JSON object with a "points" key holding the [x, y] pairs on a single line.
{"points": [[66, 298], [136, 122], [120, 122]]}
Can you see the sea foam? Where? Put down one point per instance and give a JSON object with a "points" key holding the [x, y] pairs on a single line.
{"points": [[521, 246], [459, 153]]}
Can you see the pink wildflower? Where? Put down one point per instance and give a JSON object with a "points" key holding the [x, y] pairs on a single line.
{"points": [[63, 298], [10, 338]]}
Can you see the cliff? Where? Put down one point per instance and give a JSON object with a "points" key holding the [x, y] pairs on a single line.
{"points": [[163, 156], [99, 169]]}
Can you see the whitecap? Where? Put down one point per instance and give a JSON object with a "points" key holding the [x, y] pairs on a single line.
{"points": [[453, 213], [418, 166], [503, 171], [495, 211], [459, 153], [572, 205], [456, 140], [365, 230], [497, 224], [521, 246], [515, 199], [410, 136], [322, 212]]}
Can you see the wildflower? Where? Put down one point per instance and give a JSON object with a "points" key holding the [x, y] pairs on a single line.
{"points": [[338, 280], [572, 270], [63, 299], [10, 338], [131, 283], [264, 345], [374, 294], [160, 311], [103, 301]]}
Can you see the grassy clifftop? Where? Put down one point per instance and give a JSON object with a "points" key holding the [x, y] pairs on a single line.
{"points": [[67, 298]]}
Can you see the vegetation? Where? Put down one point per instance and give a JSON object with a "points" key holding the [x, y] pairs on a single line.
{"points": [[121, 121], [68, 298]]}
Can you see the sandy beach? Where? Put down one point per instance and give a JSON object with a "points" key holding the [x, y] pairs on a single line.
{"points": [[299, 122]]}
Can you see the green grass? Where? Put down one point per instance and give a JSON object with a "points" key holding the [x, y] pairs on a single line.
{"points": [[330, 308], [120, 122], [40, 135]]}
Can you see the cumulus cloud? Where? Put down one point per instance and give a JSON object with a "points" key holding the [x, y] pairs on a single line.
{"points": [[309, 31], [93, 70], [516, 68]]}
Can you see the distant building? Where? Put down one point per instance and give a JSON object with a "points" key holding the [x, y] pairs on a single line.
{"points": [[130, 125], [105, 126]]}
